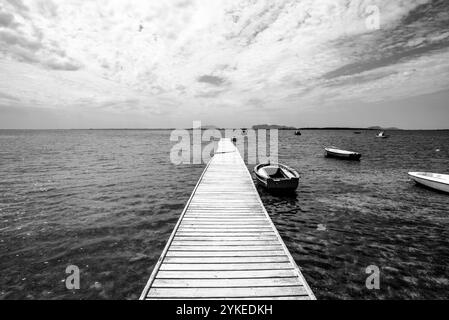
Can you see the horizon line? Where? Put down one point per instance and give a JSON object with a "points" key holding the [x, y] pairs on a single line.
{"points": [[286, 128]]}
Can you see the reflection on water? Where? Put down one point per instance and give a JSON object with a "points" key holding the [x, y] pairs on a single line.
{"points": [[107, 201]]}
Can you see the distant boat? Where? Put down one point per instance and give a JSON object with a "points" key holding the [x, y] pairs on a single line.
{"points": [[382, 135], [357, 132], [277, 177], [432, 180], [297, 133], [342, 154]]}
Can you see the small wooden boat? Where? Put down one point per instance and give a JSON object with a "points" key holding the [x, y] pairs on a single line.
{"points": [[342, 154], [277, 177], [297, 133], [432, 180], [382, 135], [357, 132]]}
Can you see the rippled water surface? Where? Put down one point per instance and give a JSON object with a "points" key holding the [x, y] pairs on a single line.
{"points": [[107, 201]]}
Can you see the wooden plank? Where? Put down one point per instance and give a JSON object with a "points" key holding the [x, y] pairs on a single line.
{"points": [[228, 206], [217, 247], [224, 220], [229, 274], [208, 231], [233, 238], [230, 234], [226, 283], [202, 259], [240, 216], [230, 223], [227, 266], [224, 243], [223, 224], [205, 229], [225, 212], [225, 208], [224, 231], [235, 253], [208, 227], [225, 246], [232, 298], [280, 291], [225, 217]]}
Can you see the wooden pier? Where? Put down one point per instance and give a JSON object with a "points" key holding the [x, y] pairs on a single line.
{"points": [[225, 245]]}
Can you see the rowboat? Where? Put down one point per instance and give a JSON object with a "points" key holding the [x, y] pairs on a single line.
{"points": [[297, 133], [382, 135], [432, 180], [342, 154], [276, 176]]}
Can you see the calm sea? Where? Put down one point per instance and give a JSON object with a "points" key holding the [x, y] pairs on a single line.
{"points": [[107, 201]]}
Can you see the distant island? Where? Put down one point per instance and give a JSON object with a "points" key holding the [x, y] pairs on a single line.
{"points": [[207, 127], [380, 128], [281, 127], [375, 128], [272, 126]]}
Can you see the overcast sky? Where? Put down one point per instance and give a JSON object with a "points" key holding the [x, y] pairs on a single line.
{"points": [[117, 63]]}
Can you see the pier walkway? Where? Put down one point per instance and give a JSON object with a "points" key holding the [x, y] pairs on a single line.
{"points": [[225, 245]]}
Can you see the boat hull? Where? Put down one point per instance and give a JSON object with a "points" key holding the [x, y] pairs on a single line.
{"points": [[277, 184], [344, 156], [425, 181]]}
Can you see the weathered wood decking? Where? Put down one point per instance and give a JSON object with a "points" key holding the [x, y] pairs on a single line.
{"points": [[225, 245]]}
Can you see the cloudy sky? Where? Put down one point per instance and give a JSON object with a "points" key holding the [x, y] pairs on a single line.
{"points": [[117, 63]]}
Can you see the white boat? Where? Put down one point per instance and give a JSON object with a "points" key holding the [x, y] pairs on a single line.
{"points": [[432, 180], [342, 154], [276, 177], [382, 135]]}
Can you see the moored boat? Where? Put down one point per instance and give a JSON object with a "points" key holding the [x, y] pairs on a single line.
{"points": [[297, 133], [382, 135], [277, 177], [435, 181], [335, 152]]}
